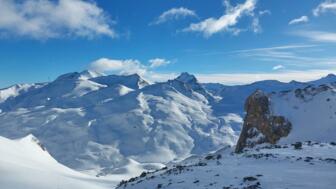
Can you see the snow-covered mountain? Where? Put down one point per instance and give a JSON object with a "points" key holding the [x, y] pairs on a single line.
{"points": [[104, 123], [311, 111], [233, 97], [123, 125], [24, 163], [287, 141], [290, 116], [16, 90]]}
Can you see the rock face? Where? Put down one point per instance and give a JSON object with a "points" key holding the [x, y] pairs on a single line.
{"points": [[260, 126]]}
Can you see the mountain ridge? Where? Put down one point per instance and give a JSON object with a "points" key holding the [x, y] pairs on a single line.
{"points": [[167, 121]]}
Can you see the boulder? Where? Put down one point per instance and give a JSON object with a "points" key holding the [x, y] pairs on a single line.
{"points": [[260, 126]]}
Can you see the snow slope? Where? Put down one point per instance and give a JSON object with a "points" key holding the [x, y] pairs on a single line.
{"points": [[232, 98], [24, 164], [266, 166], [311, 111], [104, 124], [16, 90]]}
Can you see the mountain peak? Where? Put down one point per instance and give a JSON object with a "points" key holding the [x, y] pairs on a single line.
{"points": [[88, 74], [185, 77], [133, 81], [135, 75], [69, 76], [331, 76], [84, 75], [31, 139], [138, 79]]}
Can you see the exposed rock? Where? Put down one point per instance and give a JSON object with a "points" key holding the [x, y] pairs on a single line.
{"points": [[260, 126], [297, 145], [249, 178]]}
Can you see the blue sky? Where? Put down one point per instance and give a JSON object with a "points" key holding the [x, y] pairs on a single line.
{"points": [[219, 41]]}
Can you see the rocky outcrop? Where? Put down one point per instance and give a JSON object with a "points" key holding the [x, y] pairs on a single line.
{"points": [[260, 126]]}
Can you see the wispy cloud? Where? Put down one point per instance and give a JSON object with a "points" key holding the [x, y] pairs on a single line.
{"points": [[278, 67], [281, 54], [256, 25], [227, 21], [327, 6], [283, 47], [53, 19], [265, 12], [302, 19], [318, 36], [174, 14], [157, 62], [298, 56], [257, 51]]}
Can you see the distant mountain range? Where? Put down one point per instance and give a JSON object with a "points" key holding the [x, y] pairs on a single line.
{"points": [[110, 124]]}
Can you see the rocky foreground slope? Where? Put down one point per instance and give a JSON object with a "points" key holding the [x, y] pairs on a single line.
{"points": [[311, 165]]}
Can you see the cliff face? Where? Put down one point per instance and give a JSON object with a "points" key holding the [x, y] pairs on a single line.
{"points": [[260, 126]]}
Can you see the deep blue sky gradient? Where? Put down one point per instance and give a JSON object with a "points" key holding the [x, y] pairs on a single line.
{"points": [[24, 60]]}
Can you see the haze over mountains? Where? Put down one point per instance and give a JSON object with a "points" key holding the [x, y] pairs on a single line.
{"points": [[120, 126]]}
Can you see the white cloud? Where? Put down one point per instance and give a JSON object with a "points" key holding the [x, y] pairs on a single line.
{"points": [[283, 54], [302, 19], [174, 14], [43, 19], [319, 36], [278, 67], [264, 12], [157, 62], [226, 22], [327, 6], [255, 25], [118, 66], [131, 66]]}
